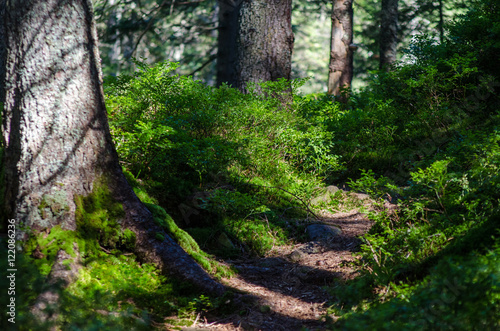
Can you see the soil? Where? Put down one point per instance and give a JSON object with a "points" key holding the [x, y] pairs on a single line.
{"points": [[286, 291]]}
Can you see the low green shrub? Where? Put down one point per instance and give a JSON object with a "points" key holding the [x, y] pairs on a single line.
{"points": [[251, 155], [461, 293], [431, 127], [172, 129]]}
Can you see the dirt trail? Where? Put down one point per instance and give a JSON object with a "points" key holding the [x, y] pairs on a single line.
{"points": [[284, 292]]}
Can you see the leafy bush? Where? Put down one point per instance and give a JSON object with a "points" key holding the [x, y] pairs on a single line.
{"points": [[461, 293], [431, 126], [169, 127], [180, 136]]}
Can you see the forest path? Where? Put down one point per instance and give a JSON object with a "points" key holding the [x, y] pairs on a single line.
{"points": [[285, 290]]}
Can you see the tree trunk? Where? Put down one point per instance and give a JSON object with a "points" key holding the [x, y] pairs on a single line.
{"points": [[341, 47], [228, 34], [388, 33], [441, 22], [264, 41], [55, 133]]}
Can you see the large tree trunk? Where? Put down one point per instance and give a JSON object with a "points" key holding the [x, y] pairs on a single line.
{"points": [[341, 47], [388, 33], [228, 34], [55, 131], [264, 41]]}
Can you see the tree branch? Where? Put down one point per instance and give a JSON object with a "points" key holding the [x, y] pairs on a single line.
{"points": [[151, 21], [210, 59], [293, 195]]}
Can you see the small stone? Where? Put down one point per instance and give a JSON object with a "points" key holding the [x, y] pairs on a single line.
{"points": [[296, 256], [322, 232], [312, 247], [362, 196], [325, 196]]}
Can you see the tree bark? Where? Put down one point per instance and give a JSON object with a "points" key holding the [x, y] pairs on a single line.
{"points": [[264, 42], [55, 133], [226, 42], [388, 33], [441, 21], [341, 47]]}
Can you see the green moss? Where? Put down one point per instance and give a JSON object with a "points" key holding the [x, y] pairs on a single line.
{"points": [[187, 242], [144, 196], [130, 178], [107, 282], [128, 240], [159, 236], [98, 219], [45, 247]]}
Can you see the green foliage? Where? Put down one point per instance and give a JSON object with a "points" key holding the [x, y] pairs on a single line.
{"points": [[431, 125], [478, 31], [28, 284], [180, 128], [461, 293], [426, 133], [113, 291], [184, 136], [375, 187], [258, 234], [233, 203]]}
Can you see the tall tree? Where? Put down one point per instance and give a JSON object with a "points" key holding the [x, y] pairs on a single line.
{"points": [[264, 41], [341, 47], [56, 144], [157, 30], [226, 42], [388, 33], [441, 21]]}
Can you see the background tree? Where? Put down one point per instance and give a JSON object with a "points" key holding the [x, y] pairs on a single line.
{"points": [[180, 31], [226, 41], [265, 41], [388, 33], [341, 48], [312, 30], [57, 149], [415, 18]]}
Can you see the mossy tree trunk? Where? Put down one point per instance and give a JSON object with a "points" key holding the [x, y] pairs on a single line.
{"points": [[341, 47], [264, 41], [55, 134], [388, 33]]}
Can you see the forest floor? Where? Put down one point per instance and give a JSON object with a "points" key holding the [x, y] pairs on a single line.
{"points": [[286, 290]]}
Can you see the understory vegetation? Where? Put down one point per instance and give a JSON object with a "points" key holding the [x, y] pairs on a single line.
{"points": [[236, 173]]}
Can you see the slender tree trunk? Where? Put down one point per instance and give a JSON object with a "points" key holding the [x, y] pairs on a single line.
{"points": [[264, 41], [55, 133], [341, 47], [228, 34], [388, 33], [441, 22]]}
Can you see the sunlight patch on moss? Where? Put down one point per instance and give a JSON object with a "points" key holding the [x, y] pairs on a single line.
{"points": [[187, 243]]}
